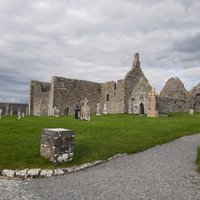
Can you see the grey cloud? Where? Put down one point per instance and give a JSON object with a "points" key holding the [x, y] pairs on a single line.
{"points": [[95, 40], [190, 44]]}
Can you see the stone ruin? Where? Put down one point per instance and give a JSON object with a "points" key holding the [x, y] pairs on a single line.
{"points": [[128, 95]]}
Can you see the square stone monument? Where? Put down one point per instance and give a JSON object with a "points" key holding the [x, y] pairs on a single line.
{"points": [[57, 144]]}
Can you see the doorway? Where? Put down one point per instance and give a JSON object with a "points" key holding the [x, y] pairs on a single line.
{"points": [[141, 108], [66, 111]]}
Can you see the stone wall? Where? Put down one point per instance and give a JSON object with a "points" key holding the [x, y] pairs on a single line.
{"points": [[15, 106], [39, 98], [195, 98], [165, 105], [66, 92], [112, 94]]}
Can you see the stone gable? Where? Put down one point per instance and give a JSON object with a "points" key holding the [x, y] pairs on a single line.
{"points": [[174, 88]]}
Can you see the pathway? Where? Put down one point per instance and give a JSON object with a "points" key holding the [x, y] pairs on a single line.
{"points": [[165, 172]]}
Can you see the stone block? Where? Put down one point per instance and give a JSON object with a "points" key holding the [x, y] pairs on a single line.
{"points": [[57, 144], [32, 173], [46, 173], [8, 173], [22, 173], [58, 172]]}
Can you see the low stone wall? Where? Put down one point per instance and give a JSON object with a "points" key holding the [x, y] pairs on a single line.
{"points": [[36, 173], [15, 107]]}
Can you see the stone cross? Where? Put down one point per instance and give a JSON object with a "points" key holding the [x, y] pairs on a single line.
{"points": [[153, 112], [0, 113], [153, 95], [86, 101]]}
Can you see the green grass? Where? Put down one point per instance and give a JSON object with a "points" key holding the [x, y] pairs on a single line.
{"points": [[100, 138], [198, 159]]}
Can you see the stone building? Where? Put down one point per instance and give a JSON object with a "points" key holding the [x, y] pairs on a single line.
{"points": [[128, 95]]}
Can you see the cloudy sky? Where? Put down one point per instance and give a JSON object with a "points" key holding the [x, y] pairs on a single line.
{"points": [[95, 40]]}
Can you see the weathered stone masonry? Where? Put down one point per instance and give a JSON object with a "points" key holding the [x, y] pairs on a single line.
{"points": [[128, 95]]}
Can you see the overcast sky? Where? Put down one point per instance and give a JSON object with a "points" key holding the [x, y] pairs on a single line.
{"points": [[95, 40]]}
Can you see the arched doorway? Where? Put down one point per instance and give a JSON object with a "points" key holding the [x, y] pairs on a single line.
{"points": [[141, 108]]}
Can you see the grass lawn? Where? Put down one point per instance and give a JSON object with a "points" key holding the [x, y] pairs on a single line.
{"points": [[102, 137]]}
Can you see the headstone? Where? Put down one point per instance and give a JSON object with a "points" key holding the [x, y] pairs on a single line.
{"points": [[27, 111], [23, 115], [105, 109], [98, 111], [7, 108], [56, 112], [57, 144], [1, 113], [153, 112], [11, 111], [85, 111], [191, 112], [19, 114]]}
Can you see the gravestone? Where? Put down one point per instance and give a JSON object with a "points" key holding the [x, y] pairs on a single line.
{"points": [[7, 108], [105, 109], [11, 111], [23, 114], [98, 111], [85, 111], [153, 112], [27, 112], [19, 114], [191, 112], [56, 112], [1, 113], [57, 144]]}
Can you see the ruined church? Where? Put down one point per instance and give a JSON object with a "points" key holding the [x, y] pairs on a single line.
{"points": [[128, 95]]}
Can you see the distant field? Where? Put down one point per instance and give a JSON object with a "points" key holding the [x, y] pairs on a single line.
{"points": [[102, 137]]}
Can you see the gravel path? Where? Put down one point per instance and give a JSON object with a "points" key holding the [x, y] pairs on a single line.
{"points": [[165, 172]]}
